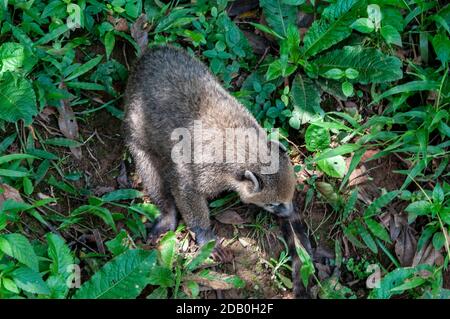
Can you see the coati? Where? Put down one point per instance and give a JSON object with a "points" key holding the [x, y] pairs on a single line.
{"points": [[169, 91]]}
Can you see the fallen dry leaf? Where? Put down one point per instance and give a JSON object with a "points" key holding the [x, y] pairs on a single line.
{"points": [[139, 32], [428, 255], [405, 246], [215, 280], [68, 124], [230, 217], [120, 24], [9, 192]]}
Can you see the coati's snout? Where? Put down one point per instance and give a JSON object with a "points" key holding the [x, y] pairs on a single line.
{"points": [[272, 192]]}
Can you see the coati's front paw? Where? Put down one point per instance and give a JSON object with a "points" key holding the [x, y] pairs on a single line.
{"points": [[161, 225], [219, 254]]}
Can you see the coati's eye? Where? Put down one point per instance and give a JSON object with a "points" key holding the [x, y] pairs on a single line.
{"points": [[272, 205]]}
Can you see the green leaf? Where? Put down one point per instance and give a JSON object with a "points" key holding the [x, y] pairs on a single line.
{"points": [[305, 97], [159, 293], [421, 207], [30, 281], [391, 35], [278, 15], [332, 27], [10, 285], [12, 173], [121, 194], [84, 68], [377, 229], [18, 247], [15, 157], [167, 249], [374, 13], [60, 254], [333, 166], [438, 240], [119, 244], [11, 57], [409, 284], [363, 25], [372, 65], [351, 74], [98, 211], [340, 150], [17, 99], [123, 277], [162, 276], [317, 138], [347, 88], [62, 141], [334, 74], [379, 203], [110, 41], [441, 45], [202, 255], [413, 86]]}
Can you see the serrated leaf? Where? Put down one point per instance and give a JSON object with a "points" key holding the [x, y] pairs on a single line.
{"points": [[124, 277], [372, 65], [306, 100], [332, 27], [278, 15], [17, 99], [30, 281], [60, 254], [19, 247]]}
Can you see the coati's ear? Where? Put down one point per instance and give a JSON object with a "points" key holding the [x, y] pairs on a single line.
{"points": [[251, 177], [281, 146]]}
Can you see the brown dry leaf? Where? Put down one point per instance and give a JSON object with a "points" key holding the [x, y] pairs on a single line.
{"points": [[122, 179], [230, 217], [139, 32], [215, 280], [68, 124], [9, 192], [428, 255], [120, 24], [46, 112], [258, 43], [405, 246]]}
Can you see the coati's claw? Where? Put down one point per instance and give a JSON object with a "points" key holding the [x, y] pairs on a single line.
{"points": [[221, 254]]}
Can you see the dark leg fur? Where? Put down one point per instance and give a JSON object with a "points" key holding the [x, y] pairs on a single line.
{"points": [[297, 229], [148, 168]]}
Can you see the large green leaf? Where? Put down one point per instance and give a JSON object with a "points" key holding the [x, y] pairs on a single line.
{"points": [[306, 100], [332, 27], [30, 280], [60, 270], [373, 66], [278, 15], [18, 247], [17, 99], [124, 277]]}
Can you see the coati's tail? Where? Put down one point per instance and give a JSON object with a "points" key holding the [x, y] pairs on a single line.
{"points": [[291, 229]]}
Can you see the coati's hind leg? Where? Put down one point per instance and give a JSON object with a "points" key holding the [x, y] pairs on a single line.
{"points": [[149, 169]]}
